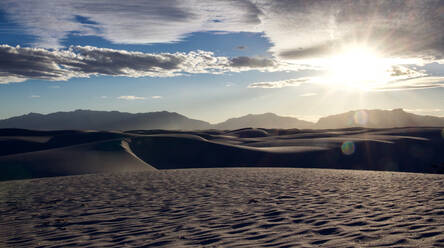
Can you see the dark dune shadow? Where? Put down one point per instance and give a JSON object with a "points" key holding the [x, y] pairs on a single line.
{"points": [[29, 154]]}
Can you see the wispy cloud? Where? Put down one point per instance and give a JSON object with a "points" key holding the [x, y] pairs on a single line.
{"points": [[18, 64], [34, 96], [403, 82], [309, 94], [157, 97], [131, 98], [418, 83], [280, 83]]}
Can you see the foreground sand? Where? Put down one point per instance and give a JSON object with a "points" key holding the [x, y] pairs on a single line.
{"points": [[237, 207]]}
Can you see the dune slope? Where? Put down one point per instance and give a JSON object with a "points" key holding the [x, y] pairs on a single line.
{"points": [[29, 154], [96, 157]]}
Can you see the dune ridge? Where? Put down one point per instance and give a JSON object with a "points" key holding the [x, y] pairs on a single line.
{"points": [[95, 157], [82, 152]]}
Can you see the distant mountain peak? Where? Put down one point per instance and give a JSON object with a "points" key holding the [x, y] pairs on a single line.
{"points": [[398, 110], [265, 120], [377, 118], [81, 119], [115, 120]]}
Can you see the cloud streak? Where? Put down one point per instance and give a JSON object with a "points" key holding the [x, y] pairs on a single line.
{"points": [[402, 83], [280, 83], [131, 98], [19, 64], [308, 94]]}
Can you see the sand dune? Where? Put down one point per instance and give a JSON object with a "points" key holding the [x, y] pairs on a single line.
{"points": [[238, 207], [126, 201], [28, 154], [97, 157]]}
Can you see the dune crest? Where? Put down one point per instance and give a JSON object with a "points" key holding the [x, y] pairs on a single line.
{"points": [[96, 157], [44, 154]]}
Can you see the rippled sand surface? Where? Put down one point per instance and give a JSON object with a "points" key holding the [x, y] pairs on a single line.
{"points": [[248, 207]]}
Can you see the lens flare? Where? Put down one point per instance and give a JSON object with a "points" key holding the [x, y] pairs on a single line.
{"points": [[360, 117], [348, 148]]}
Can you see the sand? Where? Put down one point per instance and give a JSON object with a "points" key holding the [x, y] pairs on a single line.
{"points": [[28, 154], [96, 157], [237, 207]]}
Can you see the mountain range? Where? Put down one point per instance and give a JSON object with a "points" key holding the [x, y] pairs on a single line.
{"points": [[114, 120]]}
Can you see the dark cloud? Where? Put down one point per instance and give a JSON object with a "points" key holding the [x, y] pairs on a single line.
{"points": [[244, 61], [308, 52], [18, 64], [31, 63], [115, 62]]}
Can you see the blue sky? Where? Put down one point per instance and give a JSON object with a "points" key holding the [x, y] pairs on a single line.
{"points": [[216, 60]]}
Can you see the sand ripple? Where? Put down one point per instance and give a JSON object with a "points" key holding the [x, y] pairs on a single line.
{"points": [[225, 208]]}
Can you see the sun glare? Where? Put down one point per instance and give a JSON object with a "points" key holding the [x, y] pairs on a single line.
{"points": [[359, 68]]}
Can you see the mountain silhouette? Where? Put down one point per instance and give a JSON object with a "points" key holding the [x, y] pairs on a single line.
{"points": [[114, 120], [267, 120], [378, 119], [104, 120]]}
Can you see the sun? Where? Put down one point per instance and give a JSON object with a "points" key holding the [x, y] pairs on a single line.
{"points": [[358, 68]]}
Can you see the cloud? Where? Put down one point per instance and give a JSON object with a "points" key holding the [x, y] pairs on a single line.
{"points": [[308, 94], [157, 97], [6, 78], [241, 47], [407, 81], [280, 84], [18, 64], [311, 29], [296, 28], [131, 98], [35, 96], [127, 21], [250, 62], [320, 50], [427, 82], [404, 72]]}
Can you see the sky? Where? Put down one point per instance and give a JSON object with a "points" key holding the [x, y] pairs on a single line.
{"points": [[213, 60]]}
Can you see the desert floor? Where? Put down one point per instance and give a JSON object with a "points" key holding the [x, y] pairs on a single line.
{"points": [[225, 207]]}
